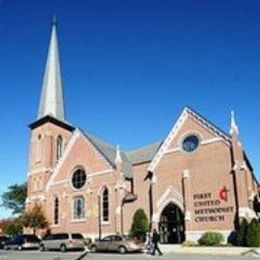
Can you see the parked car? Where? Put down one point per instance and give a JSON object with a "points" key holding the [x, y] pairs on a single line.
{"points": [[3, 240], [62, 242], [115, 243], [21, 242]]}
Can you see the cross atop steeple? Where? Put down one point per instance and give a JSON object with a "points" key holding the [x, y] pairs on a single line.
{"points": [[118, 158], [233, 125], [51, 102], [54, 21]]}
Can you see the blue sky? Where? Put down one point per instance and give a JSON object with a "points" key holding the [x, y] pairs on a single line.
{"points": [[129, 68]]}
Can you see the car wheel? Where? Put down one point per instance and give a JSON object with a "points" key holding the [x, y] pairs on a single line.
{"points": [[41, 248], [122, 250], [93, 249], [20, 248], [63, 248], [6, 248]]}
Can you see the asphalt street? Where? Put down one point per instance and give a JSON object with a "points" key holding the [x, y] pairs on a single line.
{"points": [[36, 255]]}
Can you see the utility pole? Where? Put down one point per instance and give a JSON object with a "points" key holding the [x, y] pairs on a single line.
{"points": [[99, 219]]}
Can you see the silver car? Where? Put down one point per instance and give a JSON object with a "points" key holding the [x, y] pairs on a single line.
{"points": [[62, 242], [115, 243]]}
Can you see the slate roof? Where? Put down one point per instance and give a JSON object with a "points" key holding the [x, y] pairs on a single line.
{"points": [[109, 152], [140, 155], [144, 154]]}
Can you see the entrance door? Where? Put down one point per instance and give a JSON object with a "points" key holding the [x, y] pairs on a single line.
{"points": [[171, 226]]}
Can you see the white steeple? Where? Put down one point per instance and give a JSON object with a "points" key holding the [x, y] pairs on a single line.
{"points": [[233, 125], [51, 102], [118, 158]]}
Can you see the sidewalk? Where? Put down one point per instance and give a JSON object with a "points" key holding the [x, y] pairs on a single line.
{"points": [[221, 251]]}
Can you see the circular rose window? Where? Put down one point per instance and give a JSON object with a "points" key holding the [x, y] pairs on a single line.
{"points": [[190, 143], [79, 178]]}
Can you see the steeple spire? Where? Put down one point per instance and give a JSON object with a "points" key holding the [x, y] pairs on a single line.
{"points": [[233, 125], [118, 158], [51, 102]]}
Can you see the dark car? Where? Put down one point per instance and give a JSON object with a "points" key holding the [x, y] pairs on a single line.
{"points": [[21, 242], [3, 240], [115, 243]]}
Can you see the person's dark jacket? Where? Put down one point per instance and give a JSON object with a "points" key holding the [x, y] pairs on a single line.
{"points": [[155, 238]]}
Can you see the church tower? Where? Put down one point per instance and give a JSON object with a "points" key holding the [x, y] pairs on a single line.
{"points": [[243, 177], [50, 132]]}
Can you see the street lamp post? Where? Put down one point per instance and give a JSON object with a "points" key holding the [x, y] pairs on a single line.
{"points": [[99, 218]]}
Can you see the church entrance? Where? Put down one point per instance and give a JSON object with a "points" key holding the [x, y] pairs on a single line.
{"points": [[171, 225]]}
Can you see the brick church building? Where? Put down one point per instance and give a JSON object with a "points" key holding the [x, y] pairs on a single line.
{"points": [[197, 179]]}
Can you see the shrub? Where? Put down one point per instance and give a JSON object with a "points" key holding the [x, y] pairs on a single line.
{"points": [[140, 224], [252, 236], [211, 239], [232, 238], [241, 233]]}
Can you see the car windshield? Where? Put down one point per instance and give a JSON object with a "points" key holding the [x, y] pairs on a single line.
{"points": [[128, 238], [76, 236]]}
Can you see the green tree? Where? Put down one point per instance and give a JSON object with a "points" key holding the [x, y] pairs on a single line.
{"points": [[35, 219], [140, 224], [15, 197], [252, 236], [13, 227]]}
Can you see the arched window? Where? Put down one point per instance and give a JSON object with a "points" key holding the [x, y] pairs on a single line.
{"points": [[56, 211], [59, 148], [39, 148], [79, 208], [105, 205]]}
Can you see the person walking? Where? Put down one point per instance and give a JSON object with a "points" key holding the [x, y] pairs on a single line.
{"points": [[155, 241]]}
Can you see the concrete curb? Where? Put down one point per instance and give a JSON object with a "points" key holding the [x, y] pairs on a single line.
{"points": [[221, 251]]}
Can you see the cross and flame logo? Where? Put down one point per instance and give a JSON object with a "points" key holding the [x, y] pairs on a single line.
{"points": [[223, 193]]}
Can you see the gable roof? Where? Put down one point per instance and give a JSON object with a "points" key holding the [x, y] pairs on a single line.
{"points": [[178, 124], [211, 126], [144, 154], [153, 152], [130, 158], [109, 153], [107, 150]]}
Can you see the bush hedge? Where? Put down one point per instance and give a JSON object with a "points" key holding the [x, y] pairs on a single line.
{"points": [[252, 236], [248, 234], [241, 233], [211, 239]]}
